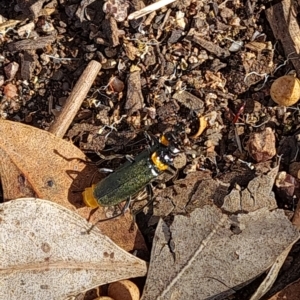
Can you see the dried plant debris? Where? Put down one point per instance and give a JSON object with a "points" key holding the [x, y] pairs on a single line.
{"points": [[241, 191], [164, 45], [135, 100], [209, 46], [29, 61], [37, 43], [117, 9], [287, 24], [179, 198], [258, 194], [88, 137], [34, 9], [168, 38], [200, 70], [190, 101], [209, 254]]}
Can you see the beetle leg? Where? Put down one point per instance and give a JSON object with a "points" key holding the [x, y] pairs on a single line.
{"points": [[105, 170], [152, 139], [123, 210], [130, 158], [149, 202], [126, 206]]}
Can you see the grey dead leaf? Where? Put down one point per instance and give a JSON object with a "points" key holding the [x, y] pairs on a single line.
{"points": [[195, 190], [46, 253], [258, 194], [209, 254]]}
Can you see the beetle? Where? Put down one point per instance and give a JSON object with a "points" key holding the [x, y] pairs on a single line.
{"points": [[132, 176]]}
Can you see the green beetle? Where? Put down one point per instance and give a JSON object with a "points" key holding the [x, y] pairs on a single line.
{"points": [[132, 176]]}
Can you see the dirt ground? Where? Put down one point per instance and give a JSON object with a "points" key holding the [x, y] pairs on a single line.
{"points": [[201, 70]]}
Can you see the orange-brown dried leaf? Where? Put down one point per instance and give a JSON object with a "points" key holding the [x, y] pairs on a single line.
{"points": [[35, 162], [202, 127], [13, 181]]}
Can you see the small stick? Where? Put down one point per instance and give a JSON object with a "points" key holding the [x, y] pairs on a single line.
{"points": [[150, 18], [148, 9], [60, 126]]}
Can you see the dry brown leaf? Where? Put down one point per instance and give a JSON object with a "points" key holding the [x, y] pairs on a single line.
{"points": [[209, 253], [202, 127], [46, 253], [34, 162], [54, 168]]}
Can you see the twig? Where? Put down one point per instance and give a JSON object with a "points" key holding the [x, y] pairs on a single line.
{"points": [[149, 9], [74, 101], [286, 31], [238, 140], [161, 27], [61, 58], [150, 18]]}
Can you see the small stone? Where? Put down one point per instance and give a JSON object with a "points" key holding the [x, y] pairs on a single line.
{"points": [[10, 91], [117, 85], [26, 29], [226, 13], [285, 90], [235, 21], [123, 290], [11, 70], [286, 184], [192, 59], [90, 48], [294, 169], [42, 92], [176, 34], [110, 52], [89, 56], [109, 64], [180, 21], [116, 8], [58, 75], [101, 57], [261, 145], [180, 161], [47, 27], [1, 80], [189, 100]]}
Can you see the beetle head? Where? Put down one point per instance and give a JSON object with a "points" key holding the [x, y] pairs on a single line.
{"points": [[163, 156]]}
